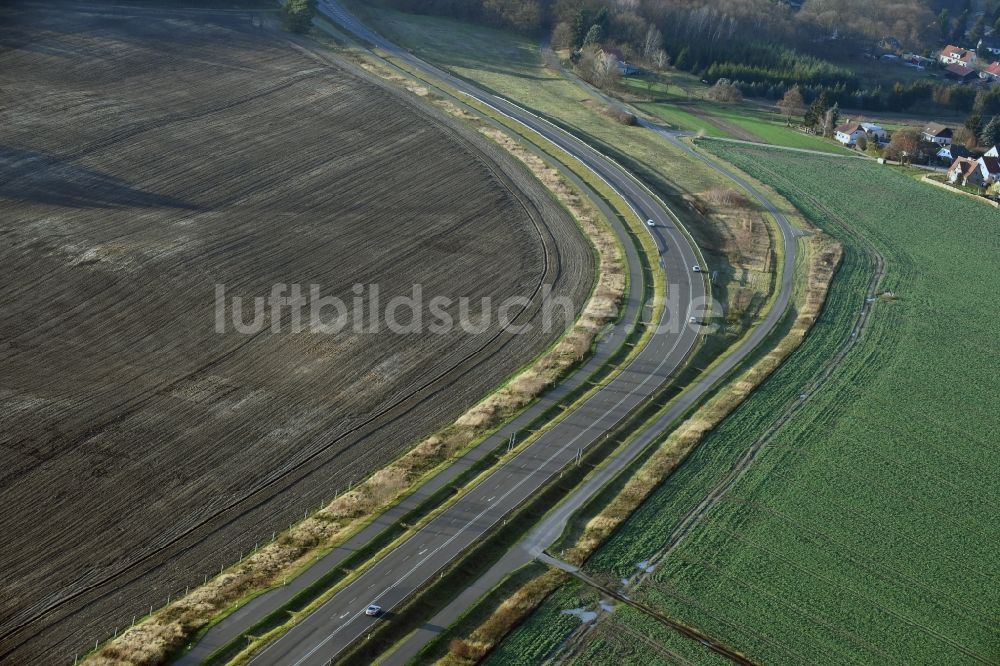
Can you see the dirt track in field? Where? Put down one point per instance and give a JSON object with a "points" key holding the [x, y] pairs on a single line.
{"points": [[146, 158]]}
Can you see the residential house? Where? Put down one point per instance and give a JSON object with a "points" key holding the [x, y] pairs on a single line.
{"points": [[937, 133], [963, 171], [624, 68], [918, 61], [988, 170], [960, 73], [979, 173], [993, 152], [991, 73], [848, 133], [876, 132], [948, 154], [954, 55]]}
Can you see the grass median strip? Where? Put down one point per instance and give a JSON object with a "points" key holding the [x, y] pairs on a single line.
{"points": [[598, 519]]}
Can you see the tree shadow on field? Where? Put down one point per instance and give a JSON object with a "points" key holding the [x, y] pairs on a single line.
{"points": [[27, 175]]}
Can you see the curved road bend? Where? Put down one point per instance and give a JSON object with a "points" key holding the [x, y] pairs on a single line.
{"points": [[548, 530], [336, 624], [261, 606], [341, 620]]}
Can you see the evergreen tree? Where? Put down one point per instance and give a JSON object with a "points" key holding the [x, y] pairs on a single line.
{"points": [[943, 23], [683, 60], [990, 135], [977, 32], [974, 124], [593, 37], [817, 111], [961, 26]]}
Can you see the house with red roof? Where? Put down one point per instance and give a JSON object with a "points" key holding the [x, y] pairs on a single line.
{"points": [[961, 170], [981, 173], [955, 55], [960, 73], [992, 73]]}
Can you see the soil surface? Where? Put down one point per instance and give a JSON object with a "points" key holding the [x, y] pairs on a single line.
{"points": [[147, 156]]}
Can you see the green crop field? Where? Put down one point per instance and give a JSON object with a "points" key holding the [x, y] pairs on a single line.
{"points": [[545, 630], [865, 531]]}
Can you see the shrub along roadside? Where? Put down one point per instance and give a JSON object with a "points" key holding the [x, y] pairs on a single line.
{"points": [[609, 510]]}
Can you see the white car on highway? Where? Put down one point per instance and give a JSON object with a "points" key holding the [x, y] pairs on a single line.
{"points": [[650, 223], [373, 610]]}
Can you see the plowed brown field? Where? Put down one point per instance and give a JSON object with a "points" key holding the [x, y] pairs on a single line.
{"points": [[147, 156]]}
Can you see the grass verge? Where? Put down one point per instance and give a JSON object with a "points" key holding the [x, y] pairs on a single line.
{"points": [[167, 630], [600, 517]]}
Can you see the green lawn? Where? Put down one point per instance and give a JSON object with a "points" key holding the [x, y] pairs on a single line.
{"points": [[512, 66], [866, 530], [681, 106]]}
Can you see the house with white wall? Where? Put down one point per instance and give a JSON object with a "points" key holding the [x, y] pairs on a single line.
{"points": [[955, 55]]}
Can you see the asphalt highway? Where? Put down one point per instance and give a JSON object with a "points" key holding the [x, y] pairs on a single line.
{"points": [[326, 633], [611, 339]]}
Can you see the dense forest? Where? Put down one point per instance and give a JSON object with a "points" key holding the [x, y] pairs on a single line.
{"points": [[765, 47]]}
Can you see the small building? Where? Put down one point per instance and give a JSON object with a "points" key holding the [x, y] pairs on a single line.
{"points": [[955, 55], [876, 132], [918, 61], [848, 133], [992, 73], [988, 170], [960, 73], [993, 152], [937, 133], [961, 170], [624, 68], [983, 172], [948, 154]]}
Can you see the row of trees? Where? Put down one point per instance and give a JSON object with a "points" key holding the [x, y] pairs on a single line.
{"points": [[822, 118], [979, 132], [956, 28], [757, 45], [754, 41], [922, 93]]}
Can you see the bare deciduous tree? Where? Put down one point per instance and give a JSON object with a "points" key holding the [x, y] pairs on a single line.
{"points": [[661, 60], [792, 104], [652, 43]]}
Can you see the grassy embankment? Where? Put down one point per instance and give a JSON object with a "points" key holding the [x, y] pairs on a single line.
{"points": [[731, 237], [862, 532], [605, 512]]}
